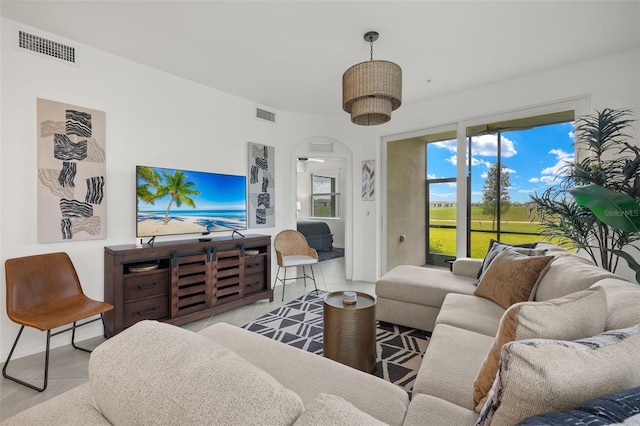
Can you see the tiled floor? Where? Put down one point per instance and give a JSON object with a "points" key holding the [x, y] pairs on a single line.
{"points": [[68, 367]]}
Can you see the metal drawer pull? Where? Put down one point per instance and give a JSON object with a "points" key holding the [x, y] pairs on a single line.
{"points": [[148, 312], [147, 287]]}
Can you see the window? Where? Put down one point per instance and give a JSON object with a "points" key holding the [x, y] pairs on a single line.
{"points": [[325, 194], [441, 207], [511, 160], [508, 161]]}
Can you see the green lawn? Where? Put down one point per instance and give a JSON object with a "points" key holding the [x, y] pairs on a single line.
{"points": [[442, 240], [517, 212]]}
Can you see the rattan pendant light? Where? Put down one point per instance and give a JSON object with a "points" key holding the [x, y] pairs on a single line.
{"points": [[372, 89]]}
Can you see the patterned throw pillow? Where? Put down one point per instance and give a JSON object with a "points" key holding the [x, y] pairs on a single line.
{"points": [[511, 276], [499, 246], [574, 316], [540, 376], [620, 408]]}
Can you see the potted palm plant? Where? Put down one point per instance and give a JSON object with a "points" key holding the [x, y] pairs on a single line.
{"points": [[604, 158], [614, 209]]}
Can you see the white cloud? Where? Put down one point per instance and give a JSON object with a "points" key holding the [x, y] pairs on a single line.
{"points": [[551, 175], [549, 180], [450, 145], [479, 162], [487, 146], [562, 155], [559, 168]]}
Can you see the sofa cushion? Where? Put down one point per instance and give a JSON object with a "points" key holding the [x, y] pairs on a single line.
{"points": [[542, 376], [429, 410], [71, 408], [623, 302], [156, 373], [510, 277], [471, 313], [496, 247], [467, 266], [568, 274], [451, 364], [422, 286], [572, 317], [308, 374], [329, 410], [552, 249]]}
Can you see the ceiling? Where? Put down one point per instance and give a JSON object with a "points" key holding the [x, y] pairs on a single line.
{"points": [[290, 56]]}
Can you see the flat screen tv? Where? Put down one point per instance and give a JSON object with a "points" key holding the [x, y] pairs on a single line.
{"points": [[172, 201]]}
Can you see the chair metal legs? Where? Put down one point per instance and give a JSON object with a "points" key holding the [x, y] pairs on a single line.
{"points": [[46, 363], [313, 277], [304, 277], [73, 332], [46, 356]]}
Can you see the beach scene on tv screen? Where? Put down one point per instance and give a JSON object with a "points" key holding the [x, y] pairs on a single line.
{"points": [[172, 201]]}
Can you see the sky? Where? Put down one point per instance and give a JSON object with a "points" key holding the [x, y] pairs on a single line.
{"points": [[533, 157], [217, 192]]}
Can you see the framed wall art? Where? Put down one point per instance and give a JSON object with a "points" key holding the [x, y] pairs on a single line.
{"points": [[261, 186], [71, 172], [368, 180]]}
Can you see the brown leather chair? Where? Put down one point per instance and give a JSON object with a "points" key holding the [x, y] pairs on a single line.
{"points": [[292, 250], [43, 291]]}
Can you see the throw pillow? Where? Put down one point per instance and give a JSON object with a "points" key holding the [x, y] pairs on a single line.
{"points": [[510, 277], [543, 376], [575, 316], [497, 244], [616, 408], [156, 373], [327, 410]]}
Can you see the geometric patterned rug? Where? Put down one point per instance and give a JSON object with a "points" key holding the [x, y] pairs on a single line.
{"points": [[299, 323]]}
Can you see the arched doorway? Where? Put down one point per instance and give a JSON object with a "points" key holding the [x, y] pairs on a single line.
{"points": [[331, 157]]}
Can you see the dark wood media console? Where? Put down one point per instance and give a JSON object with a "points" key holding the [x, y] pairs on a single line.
{"points": [[182, 281]]}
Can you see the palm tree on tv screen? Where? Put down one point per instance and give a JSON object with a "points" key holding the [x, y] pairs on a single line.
{"points": [[176, 186], [147, 180]]}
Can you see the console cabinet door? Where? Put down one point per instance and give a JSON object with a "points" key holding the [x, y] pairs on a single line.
{"points": [[190, 284]]}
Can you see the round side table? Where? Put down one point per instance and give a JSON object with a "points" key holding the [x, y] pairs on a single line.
{"points": [[350, 331]]}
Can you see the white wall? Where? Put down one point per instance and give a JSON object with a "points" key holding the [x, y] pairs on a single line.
{"points": [[157, 119], [152, 118]]}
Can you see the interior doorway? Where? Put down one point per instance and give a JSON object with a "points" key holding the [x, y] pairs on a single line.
{"points": [[322, 190]]}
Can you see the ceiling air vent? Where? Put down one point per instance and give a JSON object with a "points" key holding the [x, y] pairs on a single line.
{"points": [[266, 115], [46, 47]]}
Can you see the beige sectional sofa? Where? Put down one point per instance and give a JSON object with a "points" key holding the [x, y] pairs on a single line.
{"points": [[464, 328], [154, 373], [158, 374]]}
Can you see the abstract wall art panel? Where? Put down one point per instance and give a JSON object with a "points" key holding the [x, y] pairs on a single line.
{"points": [[71, 173], [261, 186], [368, 180]]}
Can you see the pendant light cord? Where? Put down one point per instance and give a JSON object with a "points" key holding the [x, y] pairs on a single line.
{"points": [[371, 43]]}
